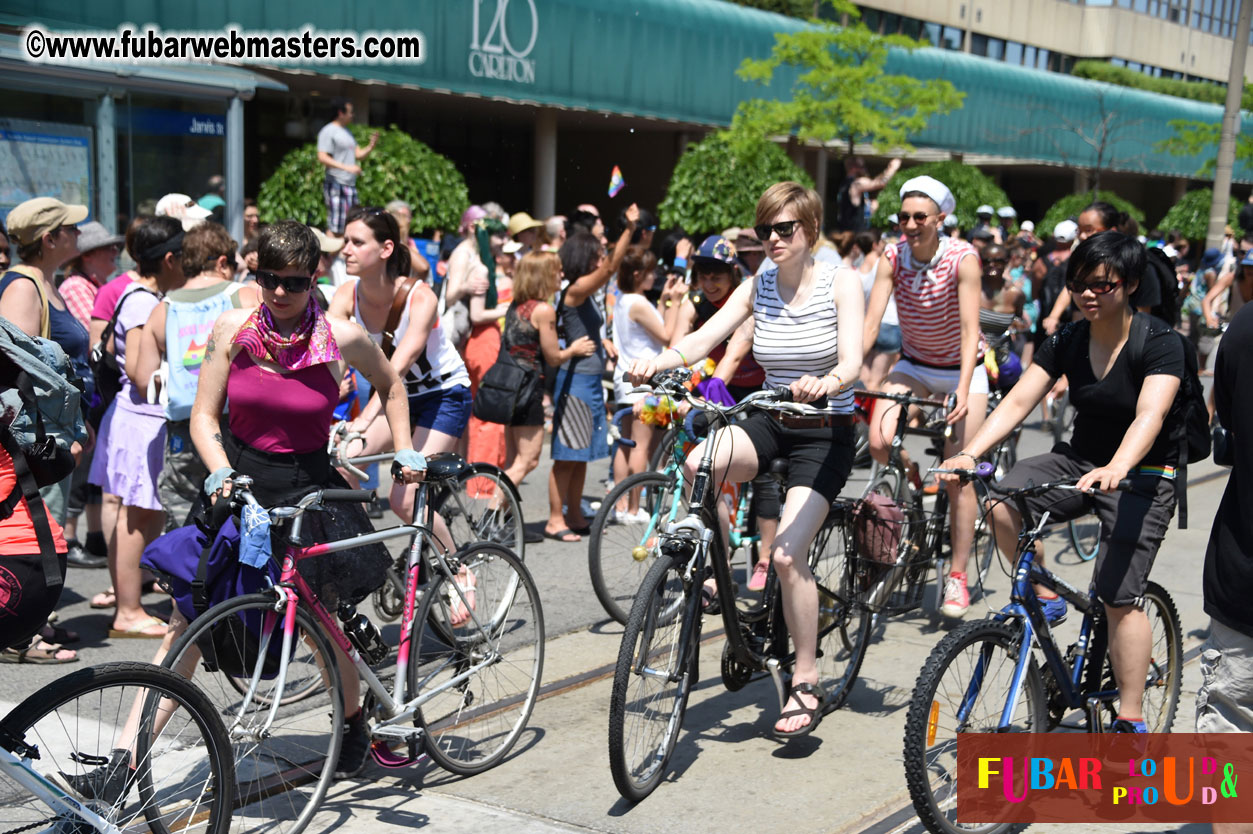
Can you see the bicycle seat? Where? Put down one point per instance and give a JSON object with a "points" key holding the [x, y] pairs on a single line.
{"points": [[779, 467], [445, 466]]}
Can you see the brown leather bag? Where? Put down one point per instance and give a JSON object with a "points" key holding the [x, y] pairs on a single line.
{"points": [[393, 316]]}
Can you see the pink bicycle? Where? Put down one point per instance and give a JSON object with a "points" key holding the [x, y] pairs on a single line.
{"points": [[466, 674]]}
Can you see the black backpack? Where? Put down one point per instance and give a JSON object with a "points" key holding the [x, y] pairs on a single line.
{"points": [[103, 361], [1160, 270], [1192, 432]]}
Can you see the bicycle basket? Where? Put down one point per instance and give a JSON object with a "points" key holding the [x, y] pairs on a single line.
{"points": [[890, 564]]}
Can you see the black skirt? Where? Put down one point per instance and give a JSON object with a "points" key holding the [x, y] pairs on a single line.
{"points": [[348, 576]]}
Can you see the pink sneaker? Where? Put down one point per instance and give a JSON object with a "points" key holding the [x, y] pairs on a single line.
{"points": [[757, 582], [956, 597]]}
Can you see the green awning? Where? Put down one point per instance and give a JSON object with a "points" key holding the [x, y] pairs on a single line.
{"points": [[675, 60]]}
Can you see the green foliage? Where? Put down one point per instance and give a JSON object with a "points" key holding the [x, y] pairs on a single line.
{"points": [[1123, 77], [1190, 216], [399, 168], [790, 8], [716, 183], [970, 186], [841, 90], [1194, 138], [1072, 204]]}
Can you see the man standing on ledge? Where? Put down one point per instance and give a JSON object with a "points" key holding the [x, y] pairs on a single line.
{"points": [[338, 151]]}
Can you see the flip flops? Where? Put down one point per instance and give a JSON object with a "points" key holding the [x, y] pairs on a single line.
{"points": [[815, 714], [560, 536], [140, 630]]}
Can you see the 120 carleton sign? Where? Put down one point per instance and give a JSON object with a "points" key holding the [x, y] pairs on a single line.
{"points": [[498, 51]]}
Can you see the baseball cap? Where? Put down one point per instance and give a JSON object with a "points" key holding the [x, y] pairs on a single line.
{"points": [[985, 209], [31, 220], [717, 249], [510, 247], [1248, 259], [747, 242], [933, 188], [327, 244], [893, 219], [982, 234], [94, 235], [950, 221], [1066, 231], [1006, 212], [1210, 260], [522, 221], [184, 208], [1027, 226]]}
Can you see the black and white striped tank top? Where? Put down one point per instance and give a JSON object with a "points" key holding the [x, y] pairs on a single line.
{"points": [[792, 342]]}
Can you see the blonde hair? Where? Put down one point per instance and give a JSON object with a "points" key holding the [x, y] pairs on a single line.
{"points": [[805, 202], [535, 277]]}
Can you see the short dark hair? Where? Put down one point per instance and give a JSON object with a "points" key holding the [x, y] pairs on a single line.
{"points": [[150, 237], [583, 220], [579, 255], [1111, 218], [1122, 255], [637, 263], [287, 243], [203, 245], [338, 105], [647, 220]]}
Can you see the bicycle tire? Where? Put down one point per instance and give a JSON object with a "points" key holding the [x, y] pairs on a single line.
{"points": [[1165, 676], [662, 608], [474, 515], [931, 762], [664, 453], [472, 726], [615, 571], [70, 719], [843, 624], [1085, 537], [283, 777]]}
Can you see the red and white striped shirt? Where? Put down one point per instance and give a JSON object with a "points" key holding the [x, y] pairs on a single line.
{"points": [[926, 302]]}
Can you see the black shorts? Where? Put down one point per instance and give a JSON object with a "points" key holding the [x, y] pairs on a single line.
{"points": [[25, 598], [533, 413], [1132, 523], [817, 458]]}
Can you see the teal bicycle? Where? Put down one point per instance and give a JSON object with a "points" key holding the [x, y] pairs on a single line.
{"points": [[622, 547]]}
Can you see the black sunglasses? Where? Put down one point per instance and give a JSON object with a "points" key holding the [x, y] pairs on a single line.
{"points": [[784, 229], [918, 217], [1097, 287], [291, 283]]}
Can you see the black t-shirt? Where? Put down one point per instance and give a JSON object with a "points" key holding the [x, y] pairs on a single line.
{"points": [[1054, 281], [1228, 575], [1148, 294], [1105, 409]]}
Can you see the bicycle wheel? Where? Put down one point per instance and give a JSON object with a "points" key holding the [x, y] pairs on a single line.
{"points": [[843, 625], [1165, 675], [79, 725], [615, 564], [1085, 537], [484, 506], [650, 688], [472, 723], [283, 766], [962, 689], [664, 452]]}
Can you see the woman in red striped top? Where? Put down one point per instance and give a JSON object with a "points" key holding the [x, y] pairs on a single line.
{"points": [[936, 283]]}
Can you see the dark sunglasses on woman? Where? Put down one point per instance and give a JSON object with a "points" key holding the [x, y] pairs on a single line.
{"points": [[784, 229], [290, 283], [1097, 287]]}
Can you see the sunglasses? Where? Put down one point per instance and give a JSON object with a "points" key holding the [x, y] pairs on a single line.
{"points": [[1096, 287], [290, 283], [784, 230], [918, 217]]}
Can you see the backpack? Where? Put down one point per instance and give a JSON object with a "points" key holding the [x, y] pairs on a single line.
{"points": [[26, 487], [40, 401], [188, 326], [103, 362], [1192, 432], [1159, 268], [199, 567]]}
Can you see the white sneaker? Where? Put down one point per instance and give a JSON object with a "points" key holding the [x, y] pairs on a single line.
{"points": [[956, 598]]}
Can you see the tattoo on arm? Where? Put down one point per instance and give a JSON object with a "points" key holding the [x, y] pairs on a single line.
{"points": [[209, 348], [217, 438]]}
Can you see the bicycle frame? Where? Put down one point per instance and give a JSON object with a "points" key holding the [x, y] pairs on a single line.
{"points": [[20, 771]]}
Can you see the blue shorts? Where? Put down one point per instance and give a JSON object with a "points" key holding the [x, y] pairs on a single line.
{"points": [[579, 430], [889, 340], [446, 411]]}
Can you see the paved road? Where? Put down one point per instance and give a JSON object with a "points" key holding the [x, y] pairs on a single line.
{"points": [[727, 774]]}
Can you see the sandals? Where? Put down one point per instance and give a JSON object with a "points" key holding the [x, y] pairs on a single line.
{"points": [[458, 613], [37, 651], [709, 600], [815, 714]]}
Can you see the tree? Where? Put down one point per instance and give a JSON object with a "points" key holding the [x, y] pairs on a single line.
{"points": [[716, 183], [1070, 206], [841, 92], [399, 168], [1193, 138], [971, 188], [1190, 216]]}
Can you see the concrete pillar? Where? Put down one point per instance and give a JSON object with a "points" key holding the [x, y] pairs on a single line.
{"points": [[106, 162], [544, 196], [820, 174], [1180, 187], [1082, 181], [235, 168]]}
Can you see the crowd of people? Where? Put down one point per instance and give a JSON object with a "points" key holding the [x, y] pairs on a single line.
{"points": [[206, 356]]}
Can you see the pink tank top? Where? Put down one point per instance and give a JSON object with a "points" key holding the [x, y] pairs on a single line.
{"points": [[926, 302], [280, 413]]}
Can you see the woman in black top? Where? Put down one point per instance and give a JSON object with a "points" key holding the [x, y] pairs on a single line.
{"points": [[1124, 369]]}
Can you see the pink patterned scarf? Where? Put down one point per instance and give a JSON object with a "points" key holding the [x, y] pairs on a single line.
{"points": [[311, 343]]}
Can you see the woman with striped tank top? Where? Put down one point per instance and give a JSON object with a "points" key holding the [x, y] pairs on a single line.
{"points": [[807, 327], [936, 282]]}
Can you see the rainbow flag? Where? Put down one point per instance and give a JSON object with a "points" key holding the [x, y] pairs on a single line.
{"points": [[616, 182]]}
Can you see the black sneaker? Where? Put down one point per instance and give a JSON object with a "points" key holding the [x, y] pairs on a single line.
{"points": [[377, 507], [107, 783], [1126, 725], [354, 748], [78, 556]]}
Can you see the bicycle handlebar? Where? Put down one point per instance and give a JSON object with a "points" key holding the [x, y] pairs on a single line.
{"points": [[906, 399]]}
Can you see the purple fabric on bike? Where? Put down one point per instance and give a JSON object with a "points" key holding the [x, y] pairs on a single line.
{"points": [[175, 559], [715, 391]]}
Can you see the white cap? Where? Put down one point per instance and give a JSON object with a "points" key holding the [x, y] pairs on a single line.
{"points": [[1066, 231], [1006, 211], [934, 189], [1027, 226], [950, 220], [510, 246], [893, 219], [327, 244], [985, 209], [184, 208]]}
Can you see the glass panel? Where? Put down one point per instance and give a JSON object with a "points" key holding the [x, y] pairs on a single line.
{"points": [[1042, 59], [996, 48], [1118, 62], [891, 23], [931, 33], [1028, 58], [978, 44], [1013, 52], [1141, 6], [952, 38], [911, 27]]}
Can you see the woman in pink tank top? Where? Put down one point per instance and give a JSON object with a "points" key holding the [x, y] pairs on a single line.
{"points": [[936, 281]]}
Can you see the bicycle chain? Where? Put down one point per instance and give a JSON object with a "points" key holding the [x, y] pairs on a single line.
{"points": [[30, 827]]}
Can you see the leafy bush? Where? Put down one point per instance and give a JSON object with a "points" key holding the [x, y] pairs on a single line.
{"points": [[1097, 70], [399, 168], [970, 186], [1072, 204], [717, 182], [1190, 216]]}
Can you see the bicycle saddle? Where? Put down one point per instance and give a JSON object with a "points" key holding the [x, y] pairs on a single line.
{"points": [[445, 466], [778, 468]]}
